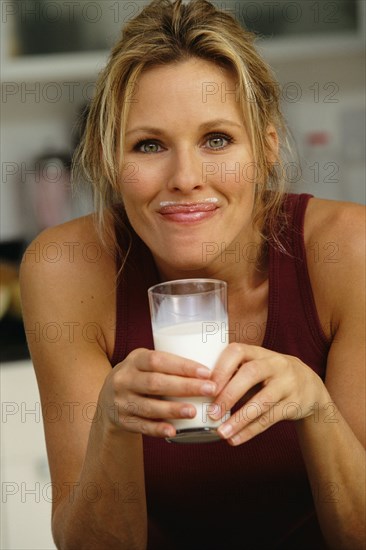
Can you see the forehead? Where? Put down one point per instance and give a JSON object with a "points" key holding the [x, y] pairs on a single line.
{"points": [[192, 87]]}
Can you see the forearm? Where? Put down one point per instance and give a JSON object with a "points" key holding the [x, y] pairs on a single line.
{"points": [[107, 509], [335, 461]]}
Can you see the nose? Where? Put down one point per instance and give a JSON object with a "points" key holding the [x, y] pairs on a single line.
{"points": [[186, 172]]}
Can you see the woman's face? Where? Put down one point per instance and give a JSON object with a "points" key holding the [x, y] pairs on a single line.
{"points": [[185, 183]]}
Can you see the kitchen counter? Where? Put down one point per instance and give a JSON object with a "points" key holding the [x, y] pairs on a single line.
{"points": [[25, 519]]}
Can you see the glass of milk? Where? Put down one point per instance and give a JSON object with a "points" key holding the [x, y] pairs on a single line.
{"points": [[189, 318]]}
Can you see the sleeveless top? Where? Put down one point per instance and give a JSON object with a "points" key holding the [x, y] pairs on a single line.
{"points": [[214, 496]]}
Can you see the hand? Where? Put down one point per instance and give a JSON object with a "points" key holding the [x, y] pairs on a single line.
{"points": [[131, 392], [275, 387]]}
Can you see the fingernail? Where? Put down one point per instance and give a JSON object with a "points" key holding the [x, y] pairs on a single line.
{"points": [[203, 373], [168, 432], [208, 388], [188, 412], [215, 412], [226, 430]]}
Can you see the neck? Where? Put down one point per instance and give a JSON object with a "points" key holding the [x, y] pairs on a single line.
{"points": [[243, 266]]}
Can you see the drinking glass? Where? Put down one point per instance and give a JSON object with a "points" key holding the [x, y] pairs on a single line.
{"points": [[189, 318]]}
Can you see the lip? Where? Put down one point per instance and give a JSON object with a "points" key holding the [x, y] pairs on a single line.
{"points": [[188, 212]]}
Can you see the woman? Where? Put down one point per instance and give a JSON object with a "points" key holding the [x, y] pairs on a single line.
{"points": [[183, 146]]}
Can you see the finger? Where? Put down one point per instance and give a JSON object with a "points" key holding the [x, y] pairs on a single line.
{"points": [[235, 434], [260, 413], [156, 408], [156, 383], [147, 427], [232, 358], [258, 426], [249, 375], [169, 363]]}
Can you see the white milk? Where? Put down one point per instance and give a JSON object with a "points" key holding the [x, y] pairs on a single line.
{"points": [[202, 342]]}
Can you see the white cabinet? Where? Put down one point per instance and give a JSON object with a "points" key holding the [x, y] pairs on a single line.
{"points": [[298, 30], [26, 494]]}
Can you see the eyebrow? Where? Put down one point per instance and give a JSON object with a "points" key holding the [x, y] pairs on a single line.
{"points": [[204, 126]]}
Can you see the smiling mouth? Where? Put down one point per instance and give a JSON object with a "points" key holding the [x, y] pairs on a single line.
{"points": [[188, 212]]}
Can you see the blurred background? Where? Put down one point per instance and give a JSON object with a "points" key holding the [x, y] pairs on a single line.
{"points": [[51, 53]]}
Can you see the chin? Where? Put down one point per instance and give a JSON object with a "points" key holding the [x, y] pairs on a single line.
{"points": [[187, 265]]}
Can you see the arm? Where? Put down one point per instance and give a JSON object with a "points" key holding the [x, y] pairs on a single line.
{"points": [[93, 435], [334, 447], [332, 427], [94, 468]]}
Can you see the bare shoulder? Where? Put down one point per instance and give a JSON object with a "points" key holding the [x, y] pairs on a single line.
{"points": [[342, 223], [67, 274], [334, 236], [66, 244], [73, 250]]}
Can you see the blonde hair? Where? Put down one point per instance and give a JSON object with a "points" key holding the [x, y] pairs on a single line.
{"points": [[170, 32]]}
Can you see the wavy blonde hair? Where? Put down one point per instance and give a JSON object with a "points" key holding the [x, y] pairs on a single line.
{"points": [[170, 32]]}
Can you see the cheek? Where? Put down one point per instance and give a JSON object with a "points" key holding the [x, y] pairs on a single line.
{"points": [[139, 182], [235, 174], [129, 175], [132, 188]]}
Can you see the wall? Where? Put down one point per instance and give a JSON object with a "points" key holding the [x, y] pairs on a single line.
{"points": [[325, 95], [322, 84]]}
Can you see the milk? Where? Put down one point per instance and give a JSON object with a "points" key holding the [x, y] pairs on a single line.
{"points": [[200, 341]]}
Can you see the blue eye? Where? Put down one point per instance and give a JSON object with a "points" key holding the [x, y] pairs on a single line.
{"points": [[148, 147]]}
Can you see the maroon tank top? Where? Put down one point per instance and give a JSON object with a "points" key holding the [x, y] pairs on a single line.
{"points": [[214, 496]]}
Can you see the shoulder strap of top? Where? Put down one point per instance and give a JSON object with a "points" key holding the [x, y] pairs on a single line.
{"points": [[303, 272], [133, 327], [293, 325]]}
